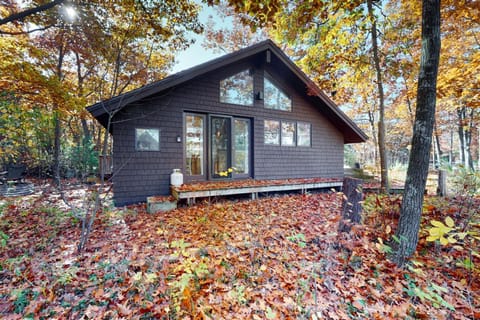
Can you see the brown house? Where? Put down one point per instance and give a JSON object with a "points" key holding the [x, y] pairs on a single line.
{"points": [[253, 110]]}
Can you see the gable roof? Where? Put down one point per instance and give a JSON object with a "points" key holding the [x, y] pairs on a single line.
{"points": [[352, 133]]}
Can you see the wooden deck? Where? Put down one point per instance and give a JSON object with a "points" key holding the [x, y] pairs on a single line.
{"points": [[250, 186]]}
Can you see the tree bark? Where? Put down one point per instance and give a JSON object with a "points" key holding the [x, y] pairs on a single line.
{"points": [[410, 214], [58, 129], [382, 150], [439, 152], [56, 149], [352, 204], [474, 146], [442, 183]]}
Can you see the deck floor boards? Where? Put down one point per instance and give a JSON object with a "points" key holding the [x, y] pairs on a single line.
{"points": [[251, 186]]}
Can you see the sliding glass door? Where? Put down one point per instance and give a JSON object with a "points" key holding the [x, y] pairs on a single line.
{"points": [[228, 142]]}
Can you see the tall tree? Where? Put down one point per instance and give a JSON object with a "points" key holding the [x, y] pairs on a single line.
{"points": [[411, 211], [111, 47], [227, 33], [382, 149]]}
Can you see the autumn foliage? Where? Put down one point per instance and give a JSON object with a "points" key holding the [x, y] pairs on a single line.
{"points": [[273, 258]]}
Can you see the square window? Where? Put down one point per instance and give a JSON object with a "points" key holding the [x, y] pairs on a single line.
{"points": [[304, 134], [288, 133], [272, 132], [147, 139]]}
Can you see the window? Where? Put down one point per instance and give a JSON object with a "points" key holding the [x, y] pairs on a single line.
{"points": [[237, 89], [272, 132], [288, 133], [304, 134], [194, 144], [147, 139], [274, 98], [241, 143]]}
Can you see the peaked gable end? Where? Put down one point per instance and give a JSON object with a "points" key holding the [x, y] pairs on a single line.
{"points": [[265, 51]]}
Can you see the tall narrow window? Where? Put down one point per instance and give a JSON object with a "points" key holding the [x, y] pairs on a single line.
{"points": [[274, 97], [304, 134], [147, 139], [272, 132], [194, 144], [241, 150], [288, 133], [237, 89]]}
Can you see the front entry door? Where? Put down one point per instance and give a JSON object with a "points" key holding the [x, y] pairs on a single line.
{"points": [[229, 147]]}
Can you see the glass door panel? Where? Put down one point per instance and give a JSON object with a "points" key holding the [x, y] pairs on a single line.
{"points": [[194, 144], [241, 146], [220, 137]]}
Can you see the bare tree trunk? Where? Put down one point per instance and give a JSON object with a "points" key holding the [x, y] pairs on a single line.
{"points": [[90, 215], [411, 211], [461, 134], [352, 204], [438, 148], [56, 115], [382, 150], [474, 145], [371, 119], [56, 149]]}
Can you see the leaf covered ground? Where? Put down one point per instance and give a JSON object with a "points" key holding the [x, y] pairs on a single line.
{"points": [[272, 258]]}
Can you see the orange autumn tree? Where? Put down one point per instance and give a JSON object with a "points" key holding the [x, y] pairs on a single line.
{"points": [[107, 49]]}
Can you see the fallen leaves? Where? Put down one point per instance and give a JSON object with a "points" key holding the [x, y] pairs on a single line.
{"points": [[273, 258]]}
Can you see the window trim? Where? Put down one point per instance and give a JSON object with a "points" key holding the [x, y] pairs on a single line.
{"points": [[137, 149]]}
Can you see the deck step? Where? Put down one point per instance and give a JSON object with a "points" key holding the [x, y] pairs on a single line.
{"points": [[16, 189], [161, 204]]}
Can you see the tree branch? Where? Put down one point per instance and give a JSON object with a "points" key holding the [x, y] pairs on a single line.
{"points": [[16, 33], [23, 14]]}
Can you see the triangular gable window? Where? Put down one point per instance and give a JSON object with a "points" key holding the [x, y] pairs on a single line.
{"points": [[275, 98], [237, 89]]}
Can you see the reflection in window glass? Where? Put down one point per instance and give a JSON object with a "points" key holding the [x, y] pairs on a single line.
{"points": [[147, 139], [288, 133], [303, 134], [237, 89], [194, 127], [274, 98], [241, 150], [272, 132]]}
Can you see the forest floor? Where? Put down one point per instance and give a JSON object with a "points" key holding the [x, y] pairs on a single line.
{"points": [[271, 258]]}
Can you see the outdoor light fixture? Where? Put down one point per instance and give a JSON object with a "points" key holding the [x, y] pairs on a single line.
{"points": [[260, 95], [179, 138]]}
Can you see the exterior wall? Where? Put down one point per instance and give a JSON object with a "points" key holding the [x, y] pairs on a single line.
{"points": [[141, 174]]}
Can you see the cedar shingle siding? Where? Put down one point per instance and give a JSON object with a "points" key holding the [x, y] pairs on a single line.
{"points": [[139, 174]]}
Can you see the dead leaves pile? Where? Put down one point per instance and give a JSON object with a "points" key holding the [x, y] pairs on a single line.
{"points": [[273, 258]]}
